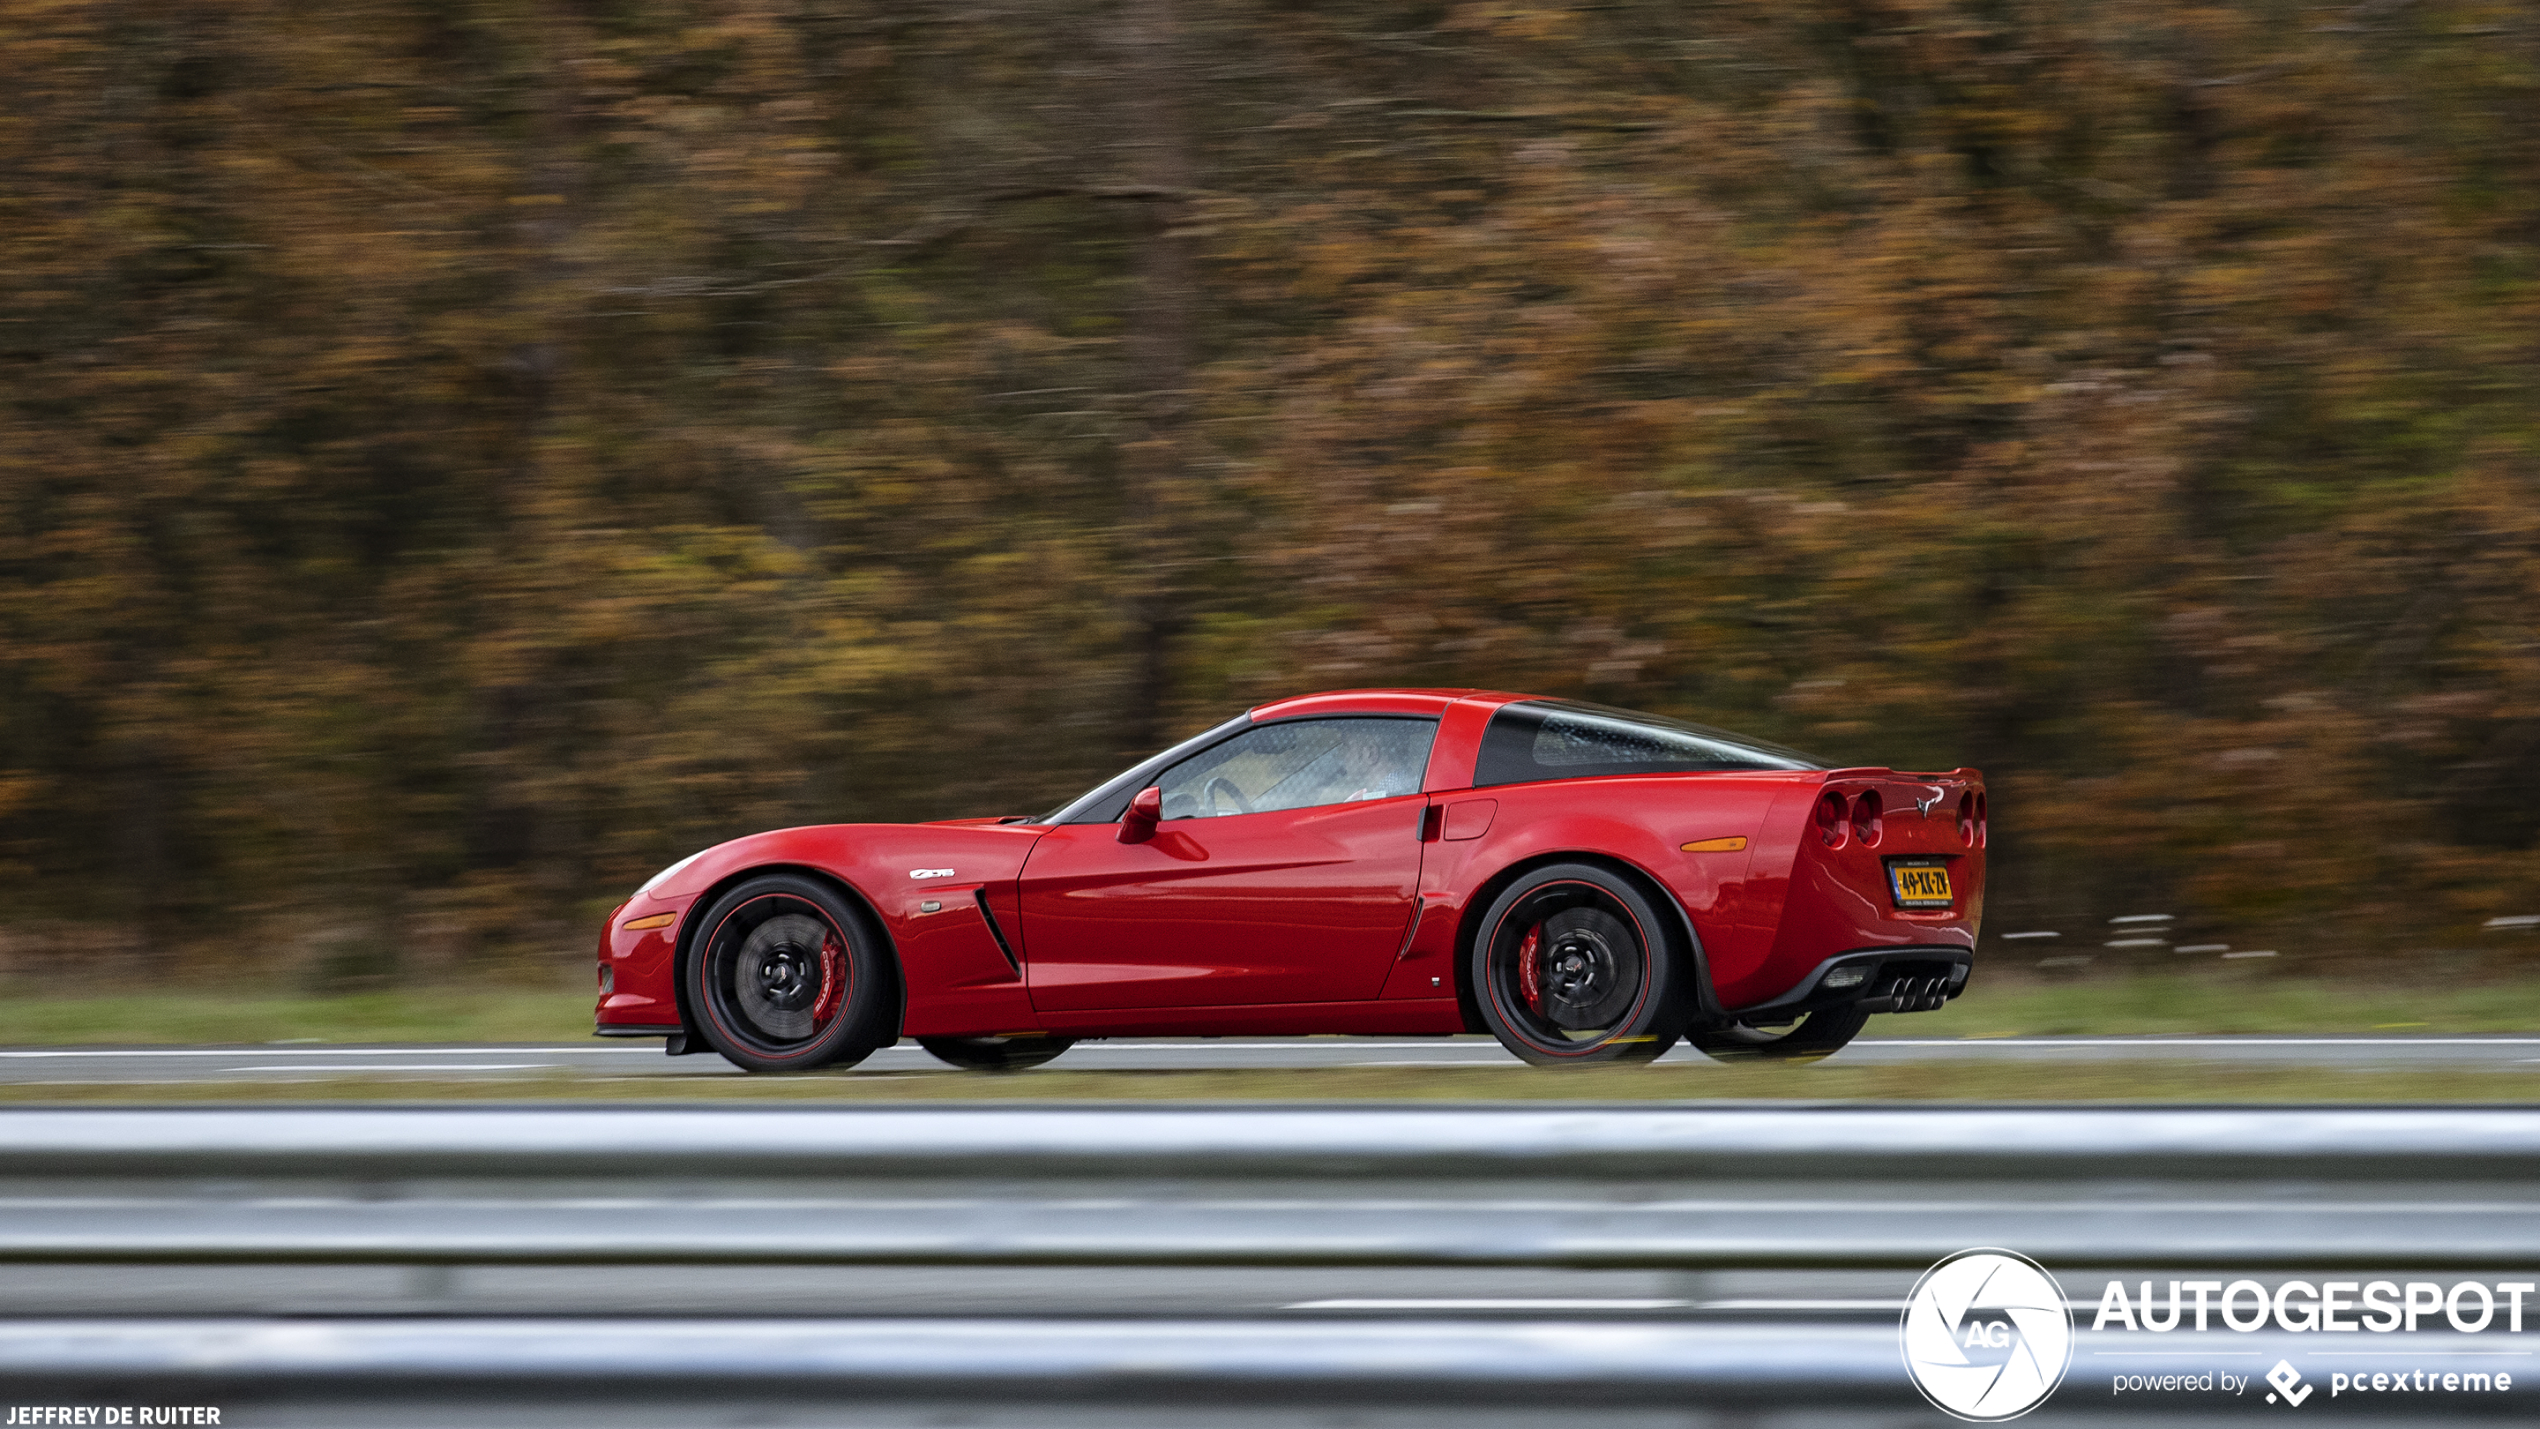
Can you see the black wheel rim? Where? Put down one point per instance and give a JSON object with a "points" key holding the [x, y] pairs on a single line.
{"points": [[777, 974], [1568, 968]]}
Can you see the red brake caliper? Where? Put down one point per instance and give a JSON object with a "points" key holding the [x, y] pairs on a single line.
{"points": [[1529, 981], [833, 981]]}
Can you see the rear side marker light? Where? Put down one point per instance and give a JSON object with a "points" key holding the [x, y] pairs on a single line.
{"points": [[1830, 820], [1846, 977], [1731, 845], [1865, 819], [658, 920]]}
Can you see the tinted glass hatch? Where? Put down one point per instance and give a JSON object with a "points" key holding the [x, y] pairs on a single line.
{"points": [[1559, 739]]}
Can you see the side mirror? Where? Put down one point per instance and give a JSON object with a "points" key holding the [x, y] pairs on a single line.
{"points": [[1145, 811]]}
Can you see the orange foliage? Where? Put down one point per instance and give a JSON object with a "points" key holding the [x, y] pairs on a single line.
{"points": [[457, 458]]}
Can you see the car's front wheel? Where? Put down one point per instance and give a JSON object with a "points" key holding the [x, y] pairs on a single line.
{"points": [[1815, 1035], [995, 1054], [1574, 966], [787, 976]]}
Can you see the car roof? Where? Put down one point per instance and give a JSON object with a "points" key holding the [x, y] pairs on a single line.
{"points": [[1379, 701]]}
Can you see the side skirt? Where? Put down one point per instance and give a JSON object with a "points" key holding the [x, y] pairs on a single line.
{"points": [[1405, 1017]]}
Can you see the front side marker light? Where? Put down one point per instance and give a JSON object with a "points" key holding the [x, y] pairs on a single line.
{"points": [[1846, 977], [1728, 845], [658, 920]]}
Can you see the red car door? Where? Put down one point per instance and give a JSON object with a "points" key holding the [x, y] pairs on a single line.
{"points": [[1230, 903]]}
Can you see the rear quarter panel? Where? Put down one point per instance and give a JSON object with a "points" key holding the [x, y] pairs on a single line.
{"points": [[1643, 819]]}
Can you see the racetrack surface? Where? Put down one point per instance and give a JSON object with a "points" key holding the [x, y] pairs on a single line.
{"points": [[643, 1058]]}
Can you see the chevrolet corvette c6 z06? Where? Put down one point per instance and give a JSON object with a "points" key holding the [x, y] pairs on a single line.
{"points": [[1586, 884]]}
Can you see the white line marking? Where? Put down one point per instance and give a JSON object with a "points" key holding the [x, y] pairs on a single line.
{"points": [[2379, 1354], [1805, 1304], [408, 1067], [2200, 1354], [330, 1052], [1291, 1044], [1486, 1305], [2160, 1041]]}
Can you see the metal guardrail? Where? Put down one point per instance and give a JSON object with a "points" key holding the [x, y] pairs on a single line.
{"points": [[1905, 1227], [1747, 1361], [2330, 1144], [1574, 1188], [1609, 1188], [603, 1367]]}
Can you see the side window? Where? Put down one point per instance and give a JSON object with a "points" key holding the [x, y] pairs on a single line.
{"points": [[1539, 740], [1299, 764]]}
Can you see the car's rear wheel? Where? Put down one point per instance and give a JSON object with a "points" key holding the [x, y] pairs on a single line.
{"points": [[1575, 966], [995, 1054], [1815, 1035], [787, 976]]}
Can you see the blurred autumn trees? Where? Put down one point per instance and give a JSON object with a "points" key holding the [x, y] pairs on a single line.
{"points": [[457, 457]]}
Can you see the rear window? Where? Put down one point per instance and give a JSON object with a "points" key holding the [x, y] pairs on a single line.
{"points": [[1558, 739]]}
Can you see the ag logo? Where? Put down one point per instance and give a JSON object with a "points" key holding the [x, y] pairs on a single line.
{"points": [[1987, 1335]]}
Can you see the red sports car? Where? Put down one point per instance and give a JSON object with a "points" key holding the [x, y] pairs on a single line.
{"points": [[1587, 884]]}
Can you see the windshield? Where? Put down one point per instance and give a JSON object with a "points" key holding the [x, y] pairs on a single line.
{"points": [[1105, 802]]}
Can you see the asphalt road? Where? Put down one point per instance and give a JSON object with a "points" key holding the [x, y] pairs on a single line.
{"points": [[642, 1058]]}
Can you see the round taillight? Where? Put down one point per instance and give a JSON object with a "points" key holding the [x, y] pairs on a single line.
{"points": [[1982, 819], [1830, 819], [1967, 820], [1865, 819]]}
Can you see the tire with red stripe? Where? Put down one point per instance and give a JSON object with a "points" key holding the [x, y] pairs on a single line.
{"points": [[1575, 966], [787, 975]]}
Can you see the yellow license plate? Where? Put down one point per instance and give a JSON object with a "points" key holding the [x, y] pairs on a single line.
{"points": [[1919, 887]]}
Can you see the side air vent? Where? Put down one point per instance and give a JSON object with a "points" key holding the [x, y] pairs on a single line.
{"points": [[988, 916]]}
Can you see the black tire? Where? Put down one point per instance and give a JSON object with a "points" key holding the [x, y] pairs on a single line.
{"points": [[786, 975], [1818, 1035], [1575, 966], [995, 1054]]}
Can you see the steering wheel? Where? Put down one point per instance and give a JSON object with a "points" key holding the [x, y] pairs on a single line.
{"points": [[1208, 794]]}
